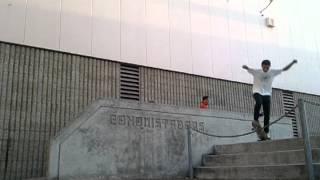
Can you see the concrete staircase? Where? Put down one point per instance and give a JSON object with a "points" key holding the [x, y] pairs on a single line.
{"points": [[267, 160], [276, 159]]}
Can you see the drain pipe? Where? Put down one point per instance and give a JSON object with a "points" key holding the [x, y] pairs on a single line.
{"points": [[190, 154]]}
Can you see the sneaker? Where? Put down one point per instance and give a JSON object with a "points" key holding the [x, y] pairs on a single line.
{"points": [[268, 137]]}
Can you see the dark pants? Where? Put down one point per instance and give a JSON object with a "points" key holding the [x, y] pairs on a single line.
{"points": [[265, 102]]}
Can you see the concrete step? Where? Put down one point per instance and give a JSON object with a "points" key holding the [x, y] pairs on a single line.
{"points": [[114, 178], [260, 158], [265, 146], [288, 171], [262, 178], [172, 178]]}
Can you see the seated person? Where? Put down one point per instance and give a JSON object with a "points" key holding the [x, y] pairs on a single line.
{"points": [[205, 102]]}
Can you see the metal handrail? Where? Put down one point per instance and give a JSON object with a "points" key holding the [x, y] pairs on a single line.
{"points": [[247, 133], [306, 138]]}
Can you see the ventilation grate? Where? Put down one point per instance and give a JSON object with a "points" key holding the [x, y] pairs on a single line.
{"points": [[129, 82], [288, 104]]}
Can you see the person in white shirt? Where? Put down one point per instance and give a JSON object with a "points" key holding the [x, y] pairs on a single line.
{"points": [[262, 88]]}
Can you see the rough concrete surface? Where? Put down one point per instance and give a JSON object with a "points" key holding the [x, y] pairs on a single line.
{"points": [[122, 138]]}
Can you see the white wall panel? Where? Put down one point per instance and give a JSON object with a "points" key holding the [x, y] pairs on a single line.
{"points": [[294, 42], [201, 33], [133, 31], [106, 29], [238, 43], [308, 23], [312, 76], [221, 64], [296, 77], [317, 38], [158, 37], [297, 35], [270, 38], [205, 37], [43, 23], [12, 20], [180, 35], [253, 33], [316, 28], [76, 26], [284, 41]]}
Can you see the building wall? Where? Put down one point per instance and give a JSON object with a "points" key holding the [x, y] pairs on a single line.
{"points": [[212, 38], [42, 91], [168, 87]]}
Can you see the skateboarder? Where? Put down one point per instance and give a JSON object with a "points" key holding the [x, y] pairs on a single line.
{"points": [[262, 91]]}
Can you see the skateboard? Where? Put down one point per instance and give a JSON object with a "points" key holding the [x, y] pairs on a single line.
{"points": [[259, 130]]}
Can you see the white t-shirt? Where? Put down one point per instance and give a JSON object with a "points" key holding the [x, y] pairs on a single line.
{"points": [[262, 81]]}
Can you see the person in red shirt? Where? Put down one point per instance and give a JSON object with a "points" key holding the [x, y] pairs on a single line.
{"points": [[205, 102]]}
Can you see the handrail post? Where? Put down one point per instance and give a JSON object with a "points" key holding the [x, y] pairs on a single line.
{"points": [[190, 153], [306, 138]]}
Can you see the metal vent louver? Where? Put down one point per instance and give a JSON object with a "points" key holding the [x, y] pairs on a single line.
{"points": [[129, 82], [288, 104]]}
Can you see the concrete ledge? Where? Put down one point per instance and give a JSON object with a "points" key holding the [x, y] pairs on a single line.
{"points": [[126, 138], [113, 178]]}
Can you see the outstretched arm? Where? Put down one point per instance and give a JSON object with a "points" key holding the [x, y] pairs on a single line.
{"points": [[250, 70], [245, 67], [289, 65]]}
